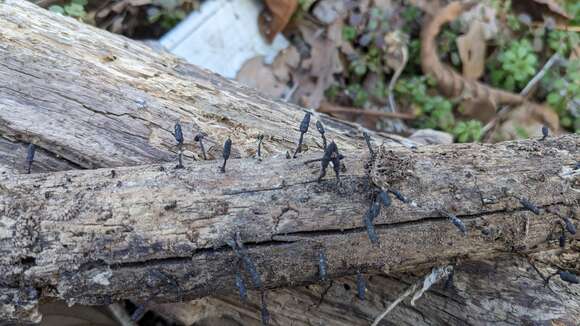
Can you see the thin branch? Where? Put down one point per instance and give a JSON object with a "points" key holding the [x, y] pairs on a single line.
{"points": [[490, 126], [327, 108]]}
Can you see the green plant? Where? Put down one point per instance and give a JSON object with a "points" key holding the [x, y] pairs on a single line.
{"points": [[514, 66], [468, 131], [563, 94], [435, 112], [76, 8], [563, 41]]}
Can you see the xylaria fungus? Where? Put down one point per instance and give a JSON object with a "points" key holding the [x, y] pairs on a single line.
{"points": [[227, 151], [264, 313], [178, 134], [199, 138], [368, 141], [449, 281], [303, 129], [369, 217], [562, 240], [322, 266], [385, 198], [240, 251], [455, 220], [30, 157], [569, 226], [529, 206], [138, 313], [361, 285], [321, 130], [545, 132], [241, 286], [260, 139], [330, 155], [568, 277], [399, 196]]}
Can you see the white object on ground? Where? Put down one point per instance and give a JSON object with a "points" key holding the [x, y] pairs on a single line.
{"points": [[222, 36]]}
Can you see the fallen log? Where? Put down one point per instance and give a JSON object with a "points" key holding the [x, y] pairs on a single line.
{"points": [[97, 236], [90, 99]]}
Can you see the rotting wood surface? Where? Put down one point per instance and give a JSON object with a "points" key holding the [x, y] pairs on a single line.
{"points": [[93, 236]]}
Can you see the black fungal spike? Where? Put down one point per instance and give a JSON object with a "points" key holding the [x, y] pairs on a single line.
{"points": [[562, 240], [568, 277], [361, 286], [456, 221], [336, 157], [368, 141], [326, 158], [260, 139], [264, 313], [241, 286], [529, 206], [227, 151], [178, 134], [138, 313], [199, 138], [303, 129], [570, 226], [449, 281], [385, 198], [322, 266], [369, 217], [545, 132], [399, 196], [321, 130], [240, 251], [30, 157]]}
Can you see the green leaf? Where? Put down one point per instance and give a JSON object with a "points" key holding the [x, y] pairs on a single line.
{"points": [[75, 10], [56, 9]]}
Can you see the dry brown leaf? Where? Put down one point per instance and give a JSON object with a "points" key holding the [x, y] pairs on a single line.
{"points": [[529, 118], [316, 73], [286, 61], [537, 9], [472, 51], [275, 17], [254, 73]]}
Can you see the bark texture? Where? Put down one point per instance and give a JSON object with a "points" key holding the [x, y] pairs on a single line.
{"points": [[90, 99]]}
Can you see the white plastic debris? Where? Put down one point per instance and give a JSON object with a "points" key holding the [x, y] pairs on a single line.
{"points": [[222, 36]]}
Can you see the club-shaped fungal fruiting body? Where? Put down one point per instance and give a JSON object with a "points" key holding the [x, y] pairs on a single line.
{"points": [[368, 141], [361, 285], [226, 154], [199, 138], [455, 220], [259, 152], [321, 130], [178, 134], [545, 132], [303, 129], [529, 206], [30, 157]]}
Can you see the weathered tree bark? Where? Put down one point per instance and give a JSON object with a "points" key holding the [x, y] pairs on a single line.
{"points": [[90, 100], [95, 236]]}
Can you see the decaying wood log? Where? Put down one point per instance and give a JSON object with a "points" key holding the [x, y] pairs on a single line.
{"points": [[90, 99], [96, 236]]}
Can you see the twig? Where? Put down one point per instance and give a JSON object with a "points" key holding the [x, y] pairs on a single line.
{"points": [[396, 75], [490, 126], [326, 108], [418, 288]]}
